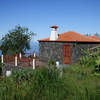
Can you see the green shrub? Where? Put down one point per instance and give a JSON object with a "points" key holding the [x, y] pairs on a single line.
{"points": [[51, 62], [97, 65], [91, 60], [39, 84]]}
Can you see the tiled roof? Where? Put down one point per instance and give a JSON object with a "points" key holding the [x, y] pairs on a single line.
{"points": [[95, 37], [73, 37]]}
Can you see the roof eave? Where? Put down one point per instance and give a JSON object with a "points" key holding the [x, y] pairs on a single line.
{"points": [[69, 41]]}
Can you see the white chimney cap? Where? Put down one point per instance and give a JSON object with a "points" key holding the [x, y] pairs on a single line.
{"points": [[54, 26], [54, 35]]}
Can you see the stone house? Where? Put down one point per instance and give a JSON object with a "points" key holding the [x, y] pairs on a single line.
{"points": [[65, 47]]}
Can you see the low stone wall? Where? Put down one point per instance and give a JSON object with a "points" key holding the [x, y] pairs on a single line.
{"points": [[8, 67]]}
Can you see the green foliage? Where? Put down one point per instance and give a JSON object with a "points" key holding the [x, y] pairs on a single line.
{"points": [[97, 34], [39, 84], [51, 62], [97, 65], [91, 60], [81, 84], [88, 34], [84, 60], [88, 58], [17, 40]]}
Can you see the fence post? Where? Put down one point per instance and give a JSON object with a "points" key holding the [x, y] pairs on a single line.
{"points": [[16, 60], [20, 55], [34, 62], [2, 58], [34, 55]]}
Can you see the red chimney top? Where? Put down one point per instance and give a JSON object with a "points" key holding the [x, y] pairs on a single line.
{"points": [[54, 26]]}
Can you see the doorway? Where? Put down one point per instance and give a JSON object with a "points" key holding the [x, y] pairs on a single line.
{"points": [[66, 54]]}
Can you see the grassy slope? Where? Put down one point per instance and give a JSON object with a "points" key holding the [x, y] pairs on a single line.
{"points": [[82, 84], [77, 83]]}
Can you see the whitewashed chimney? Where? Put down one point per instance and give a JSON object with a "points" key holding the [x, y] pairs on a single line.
{"points": [[54, 35]]}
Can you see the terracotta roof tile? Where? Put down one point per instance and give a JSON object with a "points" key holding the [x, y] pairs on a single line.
{"points": [[95, 37], [73, 37]]}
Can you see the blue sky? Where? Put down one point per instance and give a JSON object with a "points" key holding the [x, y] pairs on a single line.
{"points": [[82, 16]]}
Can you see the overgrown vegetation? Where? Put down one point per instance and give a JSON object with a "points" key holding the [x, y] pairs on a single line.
{"points": [[91, 59], [40, 84], [80, 81]]}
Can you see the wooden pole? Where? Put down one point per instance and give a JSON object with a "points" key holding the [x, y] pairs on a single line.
{"points": [[33, 63], [2, 58], [16, 60], [34, 55], [20, 55]]}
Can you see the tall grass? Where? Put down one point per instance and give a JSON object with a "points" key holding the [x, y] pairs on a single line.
{"points": [[40, 84], [81, 83], [76, 83]]}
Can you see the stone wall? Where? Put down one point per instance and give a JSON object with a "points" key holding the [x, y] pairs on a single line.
{"points": [[76, 50], [8, 67], [54, 50], [50, 50]]}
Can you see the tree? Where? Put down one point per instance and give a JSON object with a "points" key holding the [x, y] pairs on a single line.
{"points": [[87, 34], [16, 40], [97, 34]]}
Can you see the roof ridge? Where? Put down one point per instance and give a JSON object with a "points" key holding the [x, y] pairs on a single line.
{"points": [[95, 37], [78, 34]]}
